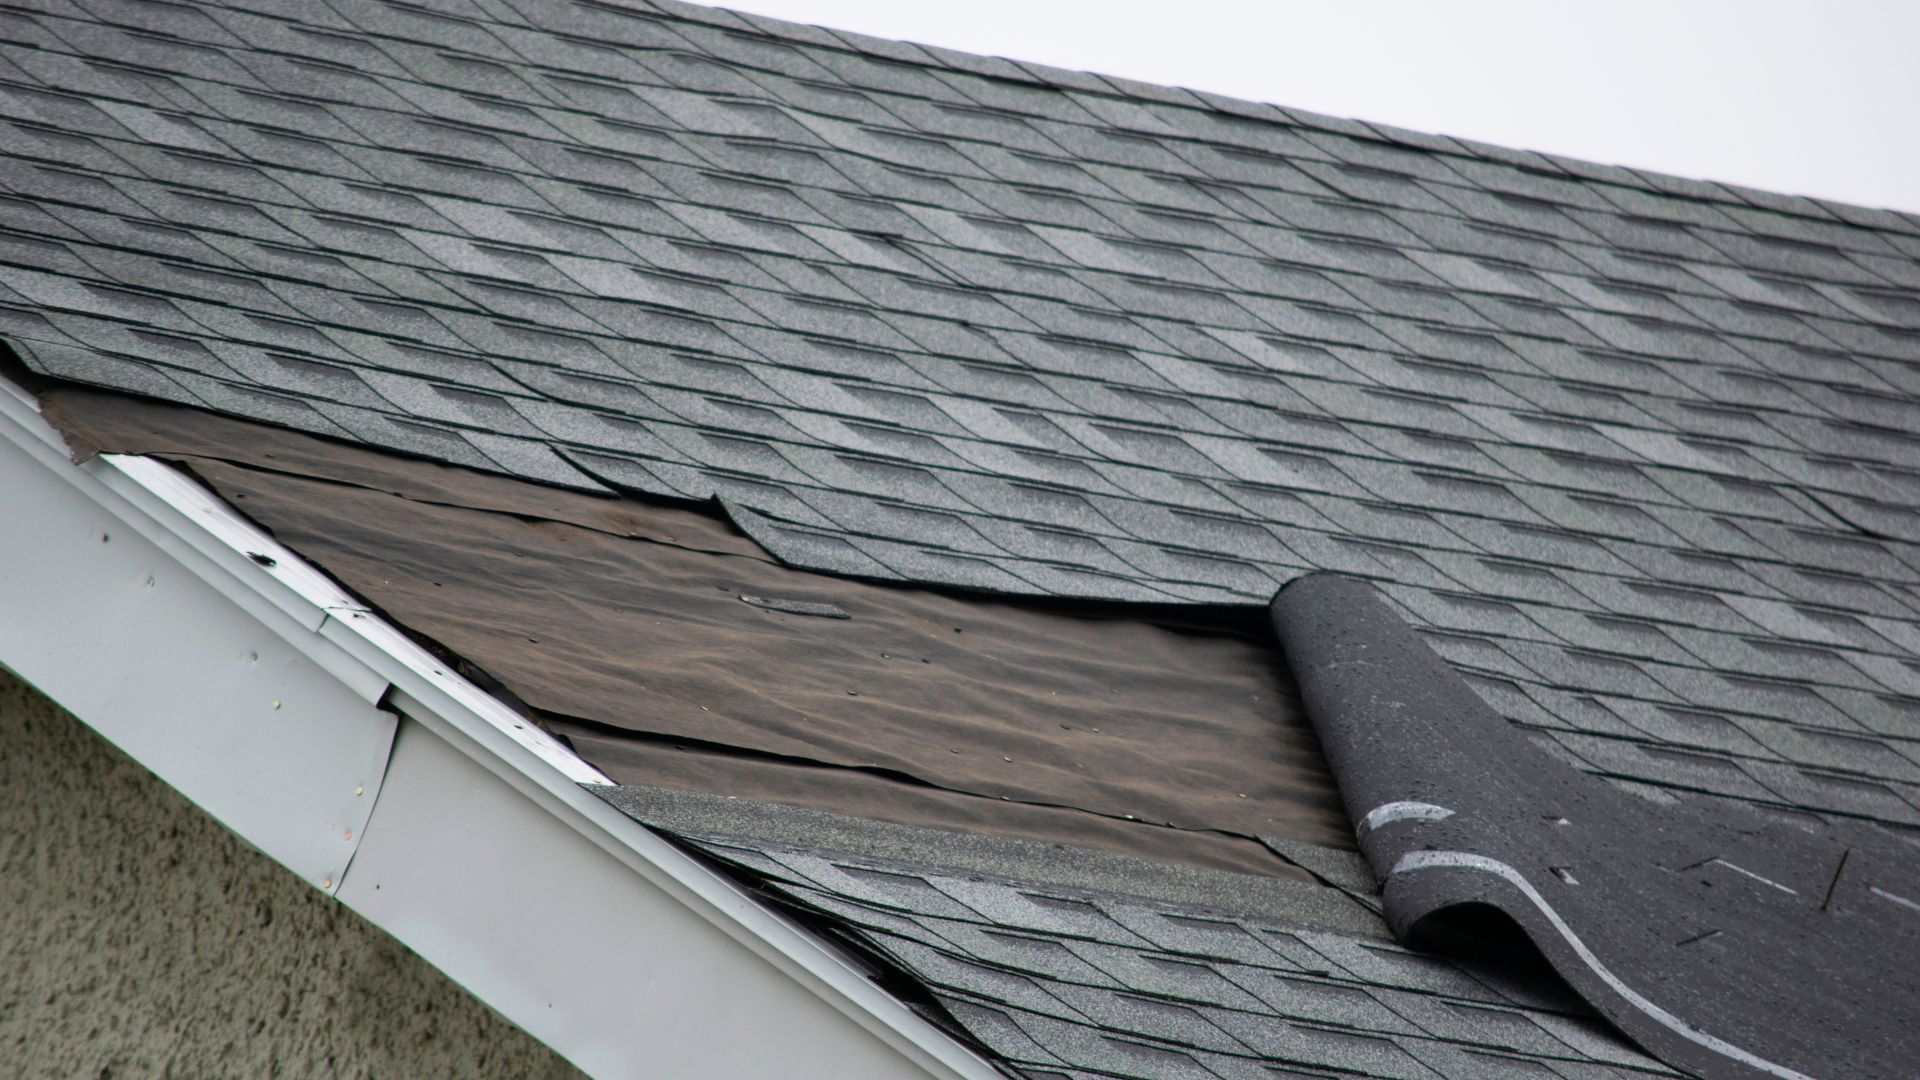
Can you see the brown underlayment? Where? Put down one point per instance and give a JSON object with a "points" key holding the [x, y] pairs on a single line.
{"points": [[1092, 725]]}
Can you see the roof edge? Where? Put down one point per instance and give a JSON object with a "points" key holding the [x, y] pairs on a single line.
{"points": [[344, 751], [1034, 73]]}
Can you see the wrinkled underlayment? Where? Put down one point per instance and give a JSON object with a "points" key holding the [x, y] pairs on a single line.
{"points": [[674, 652]]}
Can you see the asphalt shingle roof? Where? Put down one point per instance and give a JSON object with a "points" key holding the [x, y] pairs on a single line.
{"points": [[1061, 982], [1637, 454]]}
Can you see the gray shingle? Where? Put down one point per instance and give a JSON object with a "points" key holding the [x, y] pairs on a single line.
{"points": [[1638, 451]]}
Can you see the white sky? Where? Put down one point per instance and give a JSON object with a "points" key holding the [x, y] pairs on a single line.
{"points": [[1819, 98]]}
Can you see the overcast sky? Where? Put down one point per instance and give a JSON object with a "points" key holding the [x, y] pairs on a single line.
{"points": [[1819, 98]]}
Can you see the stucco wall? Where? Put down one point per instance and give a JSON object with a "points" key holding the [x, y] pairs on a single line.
{"points": [[140, 938]]}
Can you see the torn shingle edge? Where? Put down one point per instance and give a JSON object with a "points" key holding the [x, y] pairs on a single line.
{"points": [[1726, 944]]}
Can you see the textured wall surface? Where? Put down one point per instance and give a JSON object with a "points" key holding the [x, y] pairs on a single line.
{"points": [[140, 938]]}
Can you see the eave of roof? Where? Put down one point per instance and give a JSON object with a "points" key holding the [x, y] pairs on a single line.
{"points": [[225, 663]]}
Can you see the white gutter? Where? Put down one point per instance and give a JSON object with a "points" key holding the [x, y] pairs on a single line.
{"points": [[246, 679]]}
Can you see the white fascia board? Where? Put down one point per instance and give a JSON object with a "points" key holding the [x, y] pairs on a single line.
{"points": [[248, 554], [250, 682], [222, 703]]}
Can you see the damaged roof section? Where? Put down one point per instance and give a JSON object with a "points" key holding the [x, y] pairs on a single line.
{"points": [[645, 634], [1637, 453], [1240, 937]]}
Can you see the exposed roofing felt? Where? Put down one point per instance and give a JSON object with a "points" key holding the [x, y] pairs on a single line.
{"points": [[1635, 454], [627, 627]]}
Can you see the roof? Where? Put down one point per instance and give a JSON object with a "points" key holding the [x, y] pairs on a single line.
{"points": [[1635, 454]]}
